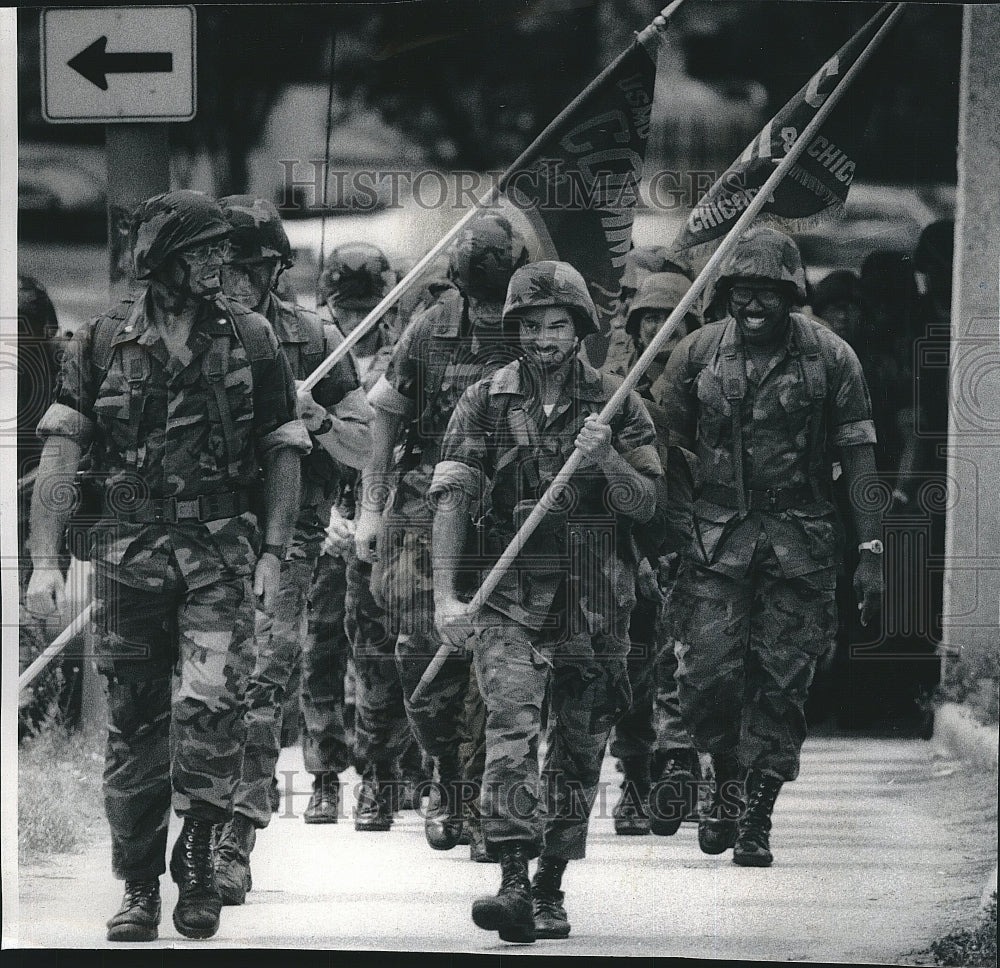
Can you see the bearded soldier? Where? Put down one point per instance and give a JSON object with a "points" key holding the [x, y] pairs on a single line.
{"points": [[761, 399], [559, 617], [182, 398], [336, 415]]}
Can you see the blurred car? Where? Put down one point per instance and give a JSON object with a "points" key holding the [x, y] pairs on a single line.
{"points": [[61, 193], [877, 217]]}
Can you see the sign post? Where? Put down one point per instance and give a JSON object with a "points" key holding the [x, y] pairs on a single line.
{"points": [[132, 69]]}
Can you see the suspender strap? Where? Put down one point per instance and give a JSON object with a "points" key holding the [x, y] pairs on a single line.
{"points": [[215, 367], [814, 378], [733, 370], [137, 370]]}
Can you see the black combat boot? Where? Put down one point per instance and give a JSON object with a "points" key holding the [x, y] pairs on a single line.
{"points": [[753, 847], [234, 843], [443, 825], [675, 793], [717, 826], [510, 911], [139, 916], [547, 899], [630, 812], [374, 809], [324, 803], [192, 868]]}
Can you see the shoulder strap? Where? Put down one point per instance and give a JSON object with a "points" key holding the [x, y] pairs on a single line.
{"points": [[214, 366], [135, 363], [106, 330], [252, 335], [733, 372], [814, 377]]}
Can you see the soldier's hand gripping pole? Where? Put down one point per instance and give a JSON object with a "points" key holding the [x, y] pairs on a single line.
{"points": [[550, 498], [74, 628]]}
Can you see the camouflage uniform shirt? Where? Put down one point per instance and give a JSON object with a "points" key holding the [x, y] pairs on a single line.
{"points": [[173, 446], [787, 429], [306, 342], [503, 451], [436, 359]]}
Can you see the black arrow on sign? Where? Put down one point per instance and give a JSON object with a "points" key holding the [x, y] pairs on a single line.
{"points": [[94, 62]]}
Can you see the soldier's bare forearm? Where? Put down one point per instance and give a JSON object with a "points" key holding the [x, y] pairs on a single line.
{"points": [[450, 522], [50, 503], [376, 475], [282, 477], [860, 473], [639, 491]]}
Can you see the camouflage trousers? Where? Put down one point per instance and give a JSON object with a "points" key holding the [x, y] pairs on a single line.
{"points": [[177, 662], [279, 652], [437, 717], [653, 722], [325, 748], [381, 730], [747, 652], [588, 690]]}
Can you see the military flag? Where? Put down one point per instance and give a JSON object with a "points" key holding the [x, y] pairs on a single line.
{"points": [[817, 184], [579, 181]]}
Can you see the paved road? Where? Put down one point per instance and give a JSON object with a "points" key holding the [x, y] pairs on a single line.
{"points": [[879, 848]]}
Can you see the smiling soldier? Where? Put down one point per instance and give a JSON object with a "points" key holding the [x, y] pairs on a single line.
{"points": [[761, 399]]}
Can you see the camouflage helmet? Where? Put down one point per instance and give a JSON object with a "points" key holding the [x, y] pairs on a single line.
{"points": [[257, 233], [551, 284], [483, 258], [659, 290], [646, 259], [356, 276], [765, 253], [165, 224]]}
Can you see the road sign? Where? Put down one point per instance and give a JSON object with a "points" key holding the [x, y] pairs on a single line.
{"points": [[107, 64]]}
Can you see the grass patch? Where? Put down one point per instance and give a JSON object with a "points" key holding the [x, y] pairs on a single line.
{"points": [[59, 800], [972, 947], [973, 679]]}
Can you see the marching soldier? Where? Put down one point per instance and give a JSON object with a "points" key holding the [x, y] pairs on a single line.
{"points": [[345, 617], [559, 617], [761, 398], [336, 415], [182, 397], [444, 349], [659, 762]]}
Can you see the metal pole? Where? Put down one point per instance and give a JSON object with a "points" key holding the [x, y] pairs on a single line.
{"points": [[138, 164], [550, 498]]}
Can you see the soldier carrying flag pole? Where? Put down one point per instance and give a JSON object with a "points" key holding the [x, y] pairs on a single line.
{"points": [[821, 95]]}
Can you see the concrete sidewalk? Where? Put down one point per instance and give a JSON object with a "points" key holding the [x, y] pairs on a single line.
{"points": [[880, 847]]}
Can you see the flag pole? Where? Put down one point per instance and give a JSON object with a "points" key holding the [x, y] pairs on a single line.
{"points": [[57, 645], [645, 37], [550, 498]]}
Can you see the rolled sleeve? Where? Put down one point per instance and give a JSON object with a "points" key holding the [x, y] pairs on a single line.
{"points": [[453, 474], [851, 413], [384, 396], [61, 420], [855, 433], [291, 435], [645, 460], [635, 437]]}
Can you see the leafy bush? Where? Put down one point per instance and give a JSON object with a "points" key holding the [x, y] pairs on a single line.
{"points": [[59, 789], [972, 947], [972, 678]]}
